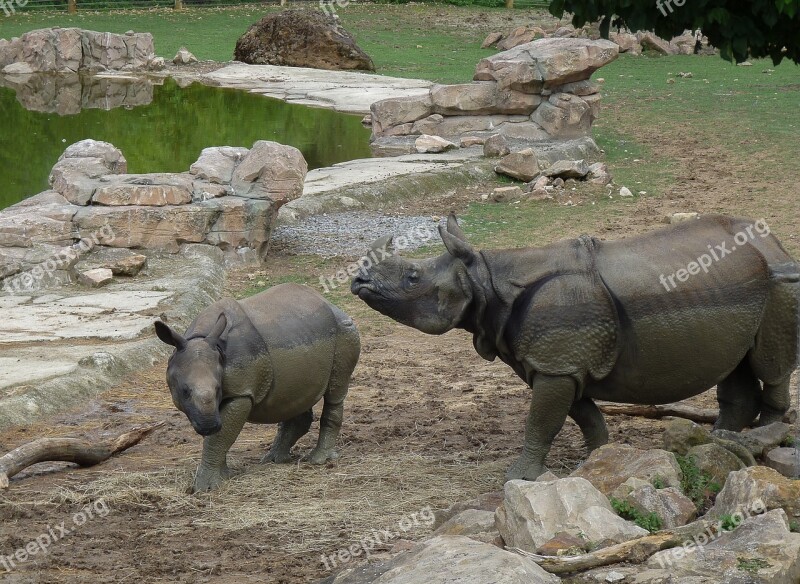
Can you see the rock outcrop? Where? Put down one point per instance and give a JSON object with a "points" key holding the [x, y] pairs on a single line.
{"points": [[537, 91], [301, 38], [228, 199], [70, 50]]}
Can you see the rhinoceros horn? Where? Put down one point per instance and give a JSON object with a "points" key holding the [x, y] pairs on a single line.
{"points": [[455, 241], [383, 243]]}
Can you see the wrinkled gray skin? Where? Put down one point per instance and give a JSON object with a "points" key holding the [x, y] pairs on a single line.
{"points": [[585, 319], [266, 359]]}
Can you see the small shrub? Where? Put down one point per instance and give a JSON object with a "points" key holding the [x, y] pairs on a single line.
{"points": [[729, 522], [658, 482], [697, 485], [751, 565], [649, 521], [794, 526]]}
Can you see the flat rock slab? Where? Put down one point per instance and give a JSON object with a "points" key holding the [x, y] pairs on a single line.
{"points": [[342, 91]]}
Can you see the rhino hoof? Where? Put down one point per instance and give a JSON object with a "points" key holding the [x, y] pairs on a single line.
{"points": [[276, 457], [320, 457], [209, 480], [524, 470]]}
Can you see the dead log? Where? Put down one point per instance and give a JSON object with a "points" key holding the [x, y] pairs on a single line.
{"points": [[700, 415], [80, 451], [635, 551]]}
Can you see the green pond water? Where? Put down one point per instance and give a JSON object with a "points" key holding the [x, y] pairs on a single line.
{"points": [[158, 128]]}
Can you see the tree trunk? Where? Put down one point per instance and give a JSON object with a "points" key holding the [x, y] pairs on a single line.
{"points": [[72, 7], [77, 450], [635, 551]]}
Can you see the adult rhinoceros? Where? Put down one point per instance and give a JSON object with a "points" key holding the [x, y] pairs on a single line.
{"points": [[651, 319]]}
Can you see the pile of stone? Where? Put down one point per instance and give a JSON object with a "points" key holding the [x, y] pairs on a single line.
{"points": [[229, 199], [70, 50], [685, 44], [536, 92], [749, 535]]}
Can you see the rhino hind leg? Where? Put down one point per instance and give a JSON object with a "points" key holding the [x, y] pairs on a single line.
{"points": [[590, 420], [775, 402], [289, 432], [552, 400], [739, 397]]}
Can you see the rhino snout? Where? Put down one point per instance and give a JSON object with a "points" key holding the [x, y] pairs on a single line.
{"points": [[207, 428]]}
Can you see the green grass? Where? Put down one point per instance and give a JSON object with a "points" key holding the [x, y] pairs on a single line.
{"points": [[649, 521], [697, 485], [751, 565]]}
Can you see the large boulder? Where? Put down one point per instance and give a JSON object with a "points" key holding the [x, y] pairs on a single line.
{"points": [[522, 165], [611, 465], [715, 461], [546, 63], [301, 38], [43, 218], [532, 514], [681, 435], [760, 550], [758, 487], [786, 460], [451, 560], [154, 190], [485, 502], [672, 507], [270, 171], [216, 165]]}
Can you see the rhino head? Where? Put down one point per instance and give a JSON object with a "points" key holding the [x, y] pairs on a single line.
{"points": [[431, 295], [194, 375]]}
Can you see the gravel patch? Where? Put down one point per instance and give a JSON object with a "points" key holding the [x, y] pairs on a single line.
{"points": [[349, 234]]}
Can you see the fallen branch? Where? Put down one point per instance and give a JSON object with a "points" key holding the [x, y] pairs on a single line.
{"points": [[634, 551], [80, 451], [700, 415]]}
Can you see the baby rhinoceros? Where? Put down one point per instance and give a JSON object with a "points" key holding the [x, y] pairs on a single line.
{"points": [[265, 359]]}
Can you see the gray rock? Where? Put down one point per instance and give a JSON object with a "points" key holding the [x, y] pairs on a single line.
{"points": [[716, 461], [672, 507], [771, 435], [680, 435], [757, 487], [681, 217], [151, 190], [533, 513], [121, 262], [564, 115], [184, 57], [216, 165], [760, 550], [599, 174], [96, 278], [546, 63], [451, 560], [486, 502], [396, 111], [270, 171], [506, 194], [522, 165], [785, 460], [433, 144], [496, 146], [611, 465], [565, 169], [475, 98], [491, 39], [111, 155], [473, 523], [18, 69]]}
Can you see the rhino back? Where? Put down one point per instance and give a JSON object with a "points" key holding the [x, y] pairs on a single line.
{"points": [[300, 331], [679, 340]]}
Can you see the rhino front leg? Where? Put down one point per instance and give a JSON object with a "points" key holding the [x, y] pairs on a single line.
{"points": [[590, 420], [213, 469], [551, 402]]}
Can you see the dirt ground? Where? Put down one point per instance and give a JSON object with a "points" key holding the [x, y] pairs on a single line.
{"points": [[427, 423]]}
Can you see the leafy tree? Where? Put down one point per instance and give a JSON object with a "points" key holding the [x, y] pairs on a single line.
{"points": [[740, 29]]}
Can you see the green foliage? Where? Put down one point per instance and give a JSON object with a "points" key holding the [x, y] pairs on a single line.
{"points": [[649, 521], [740, 30], [697, 485], [794, 526], [658, 482], [751, 565], [729, 522]]}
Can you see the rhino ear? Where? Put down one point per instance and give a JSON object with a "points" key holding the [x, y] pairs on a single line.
{"points": [[169, 336], [454, 229], [217, 335], [458, 248]]}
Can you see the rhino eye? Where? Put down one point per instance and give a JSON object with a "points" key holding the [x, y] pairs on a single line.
{"points": [[413, 277]]}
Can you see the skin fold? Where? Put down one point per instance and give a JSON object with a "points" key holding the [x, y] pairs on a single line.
{"points": [[650, 319], [266, 359]]}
